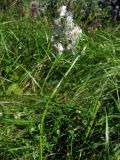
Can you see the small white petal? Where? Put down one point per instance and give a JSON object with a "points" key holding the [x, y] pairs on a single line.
{"points": [[60, 47], [52, 39], [69, 21], [62, 11], [57, 21]]}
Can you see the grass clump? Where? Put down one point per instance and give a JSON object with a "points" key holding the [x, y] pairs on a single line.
{"points": [[63, 107]]}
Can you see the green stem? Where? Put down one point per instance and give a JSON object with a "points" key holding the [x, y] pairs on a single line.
{"points": [[47, 106]]}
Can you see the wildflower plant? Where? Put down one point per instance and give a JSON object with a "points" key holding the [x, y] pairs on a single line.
{"points": [[66, 32]]}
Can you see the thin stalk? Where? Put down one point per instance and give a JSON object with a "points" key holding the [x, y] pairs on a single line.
{"points": [[47, 106]]}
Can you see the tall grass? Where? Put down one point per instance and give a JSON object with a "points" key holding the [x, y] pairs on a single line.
{"points": [[58, 108]]}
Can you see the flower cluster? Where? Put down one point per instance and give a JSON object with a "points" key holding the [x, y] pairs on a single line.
{"points": [[66, 32]]}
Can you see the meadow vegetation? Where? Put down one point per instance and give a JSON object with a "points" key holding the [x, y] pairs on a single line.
{"points": [[64, 107]]}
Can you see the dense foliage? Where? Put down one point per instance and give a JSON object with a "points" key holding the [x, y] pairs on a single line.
{"points": [[62, 106]]}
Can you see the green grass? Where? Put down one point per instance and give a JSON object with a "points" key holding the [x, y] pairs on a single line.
{"points": [[66, 107]]}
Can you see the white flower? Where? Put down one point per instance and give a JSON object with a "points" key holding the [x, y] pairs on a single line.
{"points": [[69, 20], [67, 33], [62, 11], [76, 31], [71, 32], [69, 14], [59, 47], [52, 39], [57, 21], [75, 34]]}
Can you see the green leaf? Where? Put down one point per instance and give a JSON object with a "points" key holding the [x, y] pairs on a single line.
{"points": [[14, 89]]}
